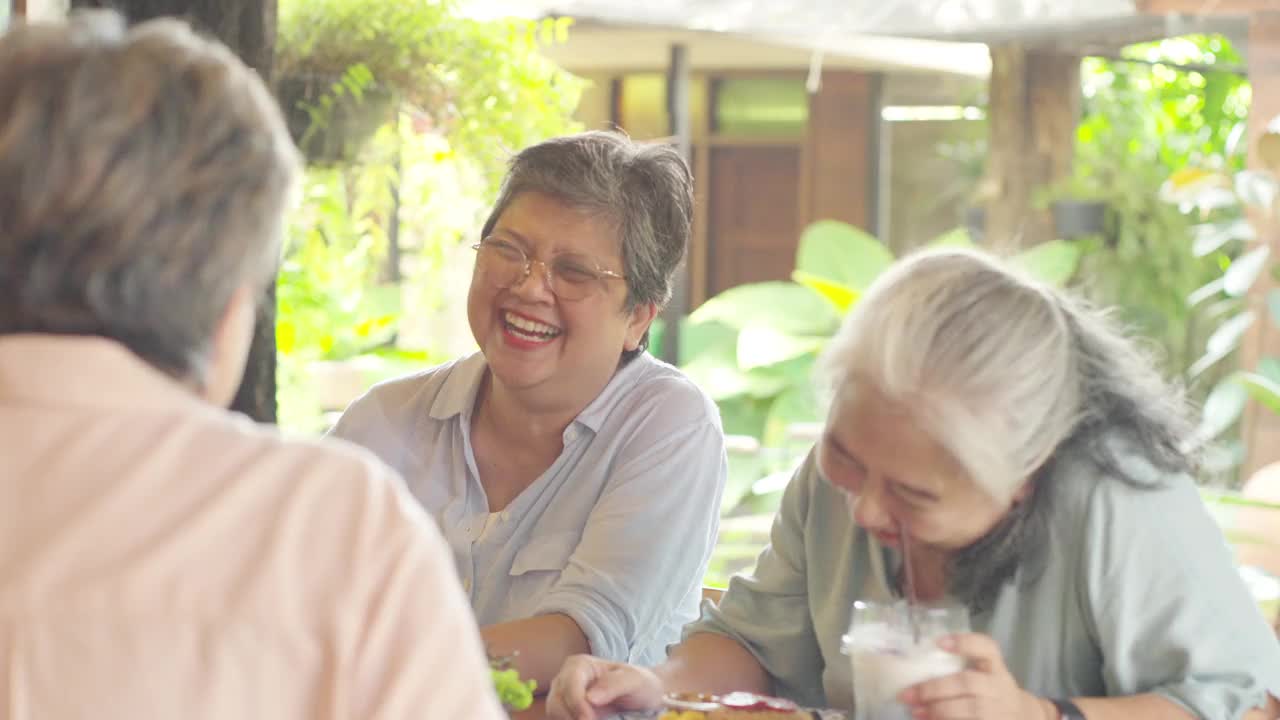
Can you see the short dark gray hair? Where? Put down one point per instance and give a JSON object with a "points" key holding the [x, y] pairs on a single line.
{"points": [[144, 175], [645, 190]]}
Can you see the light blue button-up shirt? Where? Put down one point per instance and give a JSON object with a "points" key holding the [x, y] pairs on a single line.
{"points": [[616, 534], [1138, 594]]}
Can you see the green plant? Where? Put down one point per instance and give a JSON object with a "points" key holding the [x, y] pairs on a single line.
{"points": [[1143, 120], [371, 257], [1225, 201], [482, 83], [753, 347]]}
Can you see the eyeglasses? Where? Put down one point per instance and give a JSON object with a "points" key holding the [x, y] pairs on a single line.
{"points": [[571, 276]]}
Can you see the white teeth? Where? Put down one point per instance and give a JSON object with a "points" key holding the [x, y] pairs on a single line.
{"points": [[530, 326]]}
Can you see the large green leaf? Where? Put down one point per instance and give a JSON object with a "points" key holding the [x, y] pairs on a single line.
{"points": [[958, 237], [720, 379], [1210, 237], [1256, 188], [760, 346], [1222, 408], [1263, 389], [782, 306], [842, 297], [708, 336], [1223, 341], [1244, 270], [1054, 262], [796, 404], [1211, 289], [842, 253]]}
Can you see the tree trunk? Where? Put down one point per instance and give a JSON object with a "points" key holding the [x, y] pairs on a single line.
{"points": [[248, 27], [1033, 112]]}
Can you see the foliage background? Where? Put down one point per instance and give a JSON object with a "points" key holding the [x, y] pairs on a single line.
{"points": [[464, 95]]}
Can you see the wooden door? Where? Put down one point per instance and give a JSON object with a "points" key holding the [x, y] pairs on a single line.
{"points": [[753, 218]]}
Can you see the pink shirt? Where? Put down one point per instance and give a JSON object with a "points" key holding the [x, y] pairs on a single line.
{"points": [[160, 558]]}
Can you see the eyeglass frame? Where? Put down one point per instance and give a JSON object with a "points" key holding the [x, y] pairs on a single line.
{"points": [[601, 274]]}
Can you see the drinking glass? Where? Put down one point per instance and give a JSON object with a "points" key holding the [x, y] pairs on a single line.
{"points": [[889, 655]]}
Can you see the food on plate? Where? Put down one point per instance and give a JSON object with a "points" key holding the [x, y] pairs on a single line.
{"points": [[514, 693], [732, 706]]}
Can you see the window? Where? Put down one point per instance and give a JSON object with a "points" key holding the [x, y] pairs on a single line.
{"points": [[761, 106], [642, 105]]}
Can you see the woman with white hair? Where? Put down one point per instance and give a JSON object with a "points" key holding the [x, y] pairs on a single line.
{"points": [[1034, 467]]}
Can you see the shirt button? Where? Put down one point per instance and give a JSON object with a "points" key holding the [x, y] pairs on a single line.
{"points": [[466, 585]]}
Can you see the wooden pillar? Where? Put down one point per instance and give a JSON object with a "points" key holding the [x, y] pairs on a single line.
{"points": [[248, 27], [1033, 110], [679, 90], [838, 170], [1261, 426]]}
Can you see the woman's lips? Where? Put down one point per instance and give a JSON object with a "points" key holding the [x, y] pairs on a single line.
{"points": [[886, 538]]}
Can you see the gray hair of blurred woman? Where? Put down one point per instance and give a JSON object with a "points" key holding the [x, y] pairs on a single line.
{"points": [[144, 175], [1009, 375], [643, 190]]}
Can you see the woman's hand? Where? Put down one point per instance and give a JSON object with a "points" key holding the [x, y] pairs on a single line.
{"points": [[984, 691], [588, 688]]}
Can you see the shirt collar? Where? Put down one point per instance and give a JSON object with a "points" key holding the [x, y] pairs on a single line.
{"points": [[84, 371], [595, 413], [458, 394]]}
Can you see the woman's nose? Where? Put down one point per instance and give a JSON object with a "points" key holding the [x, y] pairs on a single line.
{"points": [[536, 283], [869, 511]]}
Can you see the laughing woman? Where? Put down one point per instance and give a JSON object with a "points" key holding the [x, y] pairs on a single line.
{"points": [[576, 478]]}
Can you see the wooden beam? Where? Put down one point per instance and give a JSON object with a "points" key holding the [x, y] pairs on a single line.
{"points": [[679, 89], [1205, 7], [1261, 429], [1032, 115]]}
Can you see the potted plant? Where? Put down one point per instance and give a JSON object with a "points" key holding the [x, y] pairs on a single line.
{"points": [[1078, 217], [1079, 209], [345, 66], [331, 117], [341, 64]]}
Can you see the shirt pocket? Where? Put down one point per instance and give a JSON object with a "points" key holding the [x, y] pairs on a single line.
{"points": [[535, 570], [545, 554]]}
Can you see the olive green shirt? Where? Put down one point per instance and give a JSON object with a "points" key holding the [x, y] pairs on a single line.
{"points": [[1138, 593]]}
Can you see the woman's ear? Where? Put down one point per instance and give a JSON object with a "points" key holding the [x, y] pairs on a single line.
{"points": [[641, 318]]}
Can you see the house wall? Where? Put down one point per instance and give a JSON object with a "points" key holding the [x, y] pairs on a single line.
{"points": [[768, 159]]}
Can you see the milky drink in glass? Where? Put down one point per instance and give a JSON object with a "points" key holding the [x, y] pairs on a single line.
{"points": [[889, 656]]}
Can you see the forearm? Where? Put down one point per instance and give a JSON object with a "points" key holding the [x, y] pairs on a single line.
{"points": [[1150, 706], [541, 645], [1147, 706], [711, 663]]}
